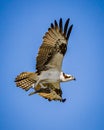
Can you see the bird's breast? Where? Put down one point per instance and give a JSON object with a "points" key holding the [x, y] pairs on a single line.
{"points": [[50, 76]]}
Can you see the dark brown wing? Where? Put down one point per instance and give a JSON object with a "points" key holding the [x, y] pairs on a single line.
{"points": [[54, 46], [51, 92]]}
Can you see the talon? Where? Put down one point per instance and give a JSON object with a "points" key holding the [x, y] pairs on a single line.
{"points": [[49, 100], [63, 100]]}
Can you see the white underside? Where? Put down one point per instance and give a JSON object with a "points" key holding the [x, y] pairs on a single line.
{"points": [[50, 76]]}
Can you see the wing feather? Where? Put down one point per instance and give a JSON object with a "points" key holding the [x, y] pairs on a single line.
{"points": [[60, 25], [54, 46], [69, 31], [52, 91], [66, 26]]}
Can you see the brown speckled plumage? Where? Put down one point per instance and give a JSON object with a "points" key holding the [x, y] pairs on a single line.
{"points": [[51, 53]]}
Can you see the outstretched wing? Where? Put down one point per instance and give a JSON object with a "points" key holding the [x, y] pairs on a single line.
{"points": [[52, 91], [54, 46]]}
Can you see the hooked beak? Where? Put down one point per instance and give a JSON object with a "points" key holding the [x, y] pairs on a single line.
{"points": [[66, 77], [73, 78], [69, 77]]}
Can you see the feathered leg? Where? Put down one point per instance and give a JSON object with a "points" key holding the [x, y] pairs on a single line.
{"points": [[42, 87]]}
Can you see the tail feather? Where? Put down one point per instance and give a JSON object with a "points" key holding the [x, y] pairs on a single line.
{"points": [[25, 80]]}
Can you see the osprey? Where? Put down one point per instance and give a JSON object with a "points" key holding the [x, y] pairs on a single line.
{"points": [[46, 80]]}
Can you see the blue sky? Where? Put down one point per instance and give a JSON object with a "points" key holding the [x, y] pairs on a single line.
{"points": [[22, 26]]}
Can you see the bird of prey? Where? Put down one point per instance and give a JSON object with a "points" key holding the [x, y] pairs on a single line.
{"points": [[46, 80]]}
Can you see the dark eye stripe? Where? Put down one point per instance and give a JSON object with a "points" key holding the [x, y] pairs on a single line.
{"points": [[65, 76]]}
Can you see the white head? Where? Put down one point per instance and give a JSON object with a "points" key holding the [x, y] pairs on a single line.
{"points": [[66, 77]]}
